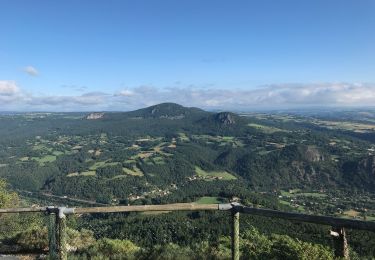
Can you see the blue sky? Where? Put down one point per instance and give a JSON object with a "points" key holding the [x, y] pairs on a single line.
{"points": [[120, 55]]}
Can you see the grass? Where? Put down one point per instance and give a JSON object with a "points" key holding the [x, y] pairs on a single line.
{"points": [[102, 164], [142, 155], [263, 152], [97, 165], [73, 174], [119, 176], [158, 160], [42, 147], [134, 172], [266, 129], [297, 193], [351, 213], [283, 202], [208, 200], [71, 152], [222, 175], [346, 125], [57, 153], [147, 161], [220, 140], [370, 218], [130, 161], [183, 137], [312, 194], [88, 173], [45, 159]]}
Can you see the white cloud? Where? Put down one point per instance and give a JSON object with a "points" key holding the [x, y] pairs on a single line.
{"points": [[282, 95], [8, 88], [270, 96], [126, 93], [31, 70]]}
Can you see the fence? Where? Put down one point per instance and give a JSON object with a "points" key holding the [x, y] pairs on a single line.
{"points": [[57, 234]]}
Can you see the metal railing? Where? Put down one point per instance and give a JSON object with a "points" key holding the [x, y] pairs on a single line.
{"points": [[58, 237]]}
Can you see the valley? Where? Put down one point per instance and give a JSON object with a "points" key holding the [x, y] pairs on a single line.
{"points": [[168, 153]]}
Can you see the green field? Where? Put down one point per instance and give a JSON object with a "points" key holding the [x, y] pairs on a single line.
{"points": [[222, 175], [158, 160], [88, 173], [41, 147], [283, 202], [73, 174], [100, 164], [266, 129], [134, 172], [297, 193], [45, 159], [57, 153], [183, 137], [312, 194], [208, 200]]}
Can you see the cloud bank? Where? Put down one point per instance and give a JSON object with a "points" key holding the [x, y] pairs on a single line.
{"points": [[12, 97]]}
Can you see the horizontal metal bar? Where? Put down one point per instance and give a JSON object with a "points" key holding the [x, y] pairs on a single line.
{"points": [[323, 220], [140, 208], [23, 210]]}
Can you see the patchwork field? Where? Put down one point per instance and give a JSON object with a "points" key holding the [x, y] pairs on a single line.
{"points": [[345, 125], [266, 129], [211, 175]]}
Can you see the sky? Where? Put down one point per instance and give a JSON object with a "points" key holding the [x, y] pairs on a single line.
{"points": [[92, 55]]}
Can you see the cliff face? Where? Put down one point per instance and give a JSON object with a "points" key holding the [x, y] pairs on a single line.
{"points": [[226, 118], [312, 154], [94, 116], [368, 164]]}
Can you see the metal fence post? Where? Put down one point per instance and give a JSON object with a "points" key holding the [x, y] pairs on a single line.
{"points": [[235, 234], [52, 236], [340, 242], [61, 232]]}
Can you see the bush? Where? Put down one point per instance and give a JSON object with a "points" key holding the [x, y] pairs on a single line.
{"points": [[257, 246], [113, 248]]}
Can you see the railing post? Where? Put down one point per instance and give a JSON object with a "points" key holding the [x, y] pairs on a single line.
{"points": [[52, 235], [235, 234], [340, 242], [61, 234]]}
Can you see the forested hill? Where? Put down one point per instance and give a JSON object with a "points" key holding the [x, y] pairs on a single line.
{"points": [[171, 153]]}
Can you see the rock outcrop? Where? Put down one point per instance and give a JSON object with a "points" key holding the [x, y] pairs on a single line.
{"points": [[94, 116], [226, 118]]}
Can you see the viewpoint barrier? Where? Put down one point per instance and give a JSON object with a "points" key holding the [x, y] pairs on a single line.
{"points": [[58, 237]]}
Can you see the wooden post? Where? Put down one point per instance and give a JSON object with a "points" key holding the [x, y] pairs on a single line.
{"points": [[340, 243], [235, 234], [61, 233], [52, 236]]}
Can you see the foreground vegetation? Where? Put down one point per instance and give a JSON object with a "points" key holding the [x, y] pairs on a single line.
{"points": [[168, 153]]}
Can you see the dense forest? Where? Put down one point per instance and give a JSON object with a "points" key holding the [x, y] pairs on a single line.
{"points": [[316, 163]]}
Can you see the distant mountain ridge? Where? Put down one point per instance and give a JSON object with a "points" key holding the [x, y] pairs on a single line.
{"points": [[171, 111]]}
